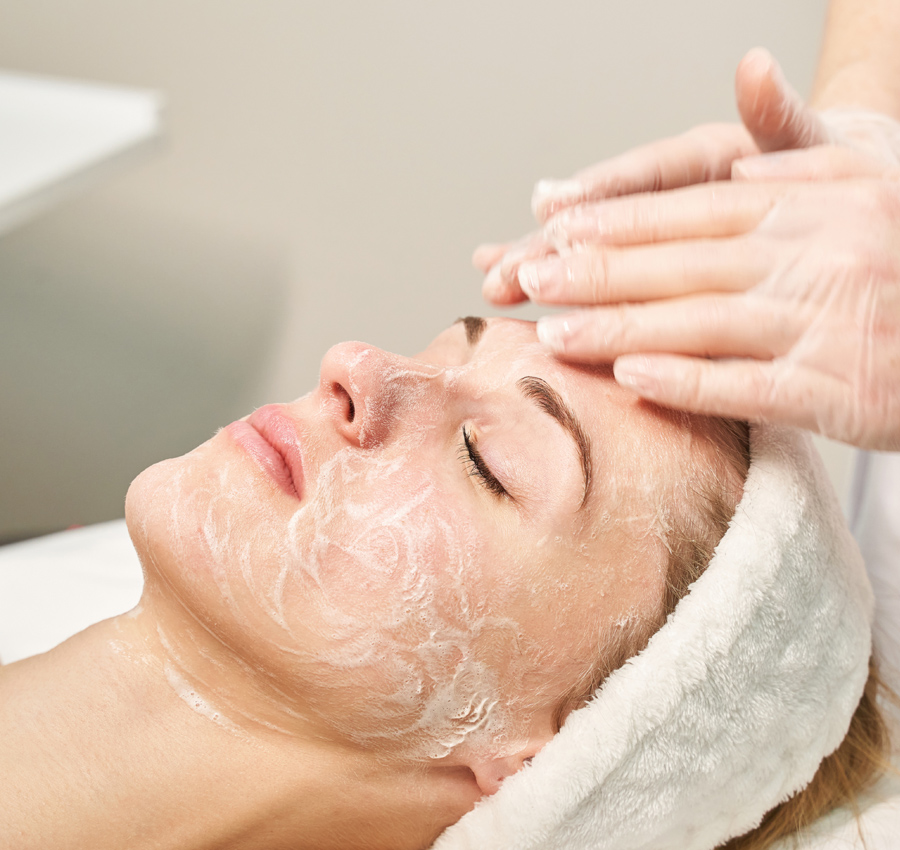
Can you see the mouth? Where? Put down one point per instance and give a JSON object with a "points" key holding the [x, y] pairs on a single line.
{"points": [[270, 437]]}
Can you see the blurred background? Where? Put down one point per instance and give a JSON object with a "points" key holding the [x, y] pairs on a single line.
{"points": [[326, 172]]}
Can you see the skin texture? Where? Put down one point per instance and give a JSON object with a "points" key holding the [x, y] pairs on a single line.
{"points": [[399, 603], [352, 661], [859, 65]]}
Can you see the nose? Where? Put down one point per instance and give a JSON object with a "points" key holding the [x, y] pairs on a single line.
{"points": [[366, 392]]}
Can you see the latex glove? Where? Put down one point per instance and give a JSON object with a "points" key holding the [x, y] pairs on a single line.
{"points": [[793, 287], [775, 117], [703, 153]]}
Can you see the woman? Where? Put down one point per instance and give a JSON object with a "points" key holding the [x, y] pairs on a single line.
{"points": [[365, 610]]}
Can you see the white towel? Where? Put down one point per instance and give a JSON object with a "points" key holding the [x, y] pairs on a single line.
{"points": [[733, 704]]}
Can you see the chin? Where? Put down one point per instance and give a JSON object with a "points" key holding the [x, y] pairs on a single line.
{"points": [[164, 511]]}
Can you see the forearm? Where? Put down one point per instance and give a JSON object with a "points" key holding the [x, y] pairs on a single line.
{"points": [[860, 61]]}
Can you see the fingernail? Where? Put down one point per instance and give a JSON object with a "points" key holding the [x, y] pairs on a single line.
{"points": [[637, 373], [555, 193], [558, 228], [493, 282], [543, 278], [756, 167], [510, 262], [557, 331], [574, 227], [740, 170]]}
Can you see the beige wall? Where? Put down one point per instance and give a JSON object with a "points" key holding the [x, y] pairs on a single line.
{"points": [[330, 167]]}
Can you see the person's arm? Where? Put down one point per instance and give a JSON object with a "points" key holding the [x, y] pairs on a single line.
{"points": [[859, 65]]}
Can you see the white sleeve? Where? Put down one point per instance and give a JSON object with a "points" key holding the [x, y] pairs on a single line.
{"points": [[874, 513], [875, 520]]}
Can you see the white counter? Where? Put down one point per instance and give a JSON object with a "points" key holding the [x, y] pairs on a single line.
{"points": [[58, 137]]}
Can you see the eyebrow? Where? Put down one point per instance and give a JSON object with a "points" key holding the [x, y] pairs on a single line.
{"points": [[474, 326], [550, 401]]}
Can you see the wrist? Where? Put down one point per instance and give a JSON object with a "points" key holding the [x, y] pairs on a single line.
{"points": [[867, 131], [856, 87]]}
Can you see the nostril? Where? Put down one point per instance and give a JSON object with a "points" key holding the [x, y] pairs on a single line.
{"points": [[344, 396]]}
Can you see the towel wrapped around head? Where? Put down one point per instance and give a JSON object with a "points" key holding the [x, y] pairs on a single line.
{"points": [[733, 704]]}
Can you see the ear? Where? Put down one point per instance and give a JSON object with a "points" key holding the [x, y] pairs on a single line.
{"points": [[489, 773]]}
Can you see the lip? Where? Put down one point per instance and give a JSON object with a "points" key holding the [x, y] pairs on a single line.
{"points": [[270, 437]]}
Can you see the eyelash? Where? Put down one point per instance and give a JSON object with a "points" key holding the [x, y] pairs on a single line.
{"points": [[474, 462]]}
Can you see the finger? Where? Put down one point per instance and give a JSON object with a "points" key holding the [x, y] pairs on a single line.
{"points": [[501, 285], [496, 290], [711, 210], [739, 389], [824, 162], [702, 326], [606, 275], [772, 111], [485, 256], [697, 156]]}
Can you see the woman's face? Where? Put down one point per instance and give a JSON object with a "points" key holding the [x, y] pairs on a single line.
{"points": [[424, 555]]}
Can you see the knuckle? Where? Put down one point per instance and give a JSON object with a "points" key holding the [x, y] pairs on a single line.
{"points": [[692, 390], [657, 181], [599, 288], [715, 205], [846, 262], [762, 392], [617, 331], [887, 200], [860, 264], [877, 201], [876, 264], [758, 254], [642, 220], [711, 314]]}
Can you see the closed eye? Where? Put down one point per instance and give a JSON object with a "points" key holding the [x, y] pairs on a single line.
{"points": [[474, 462]]}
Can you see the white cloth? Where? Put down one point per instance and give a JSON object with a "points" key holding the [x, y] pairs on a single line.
{"points": [[875, 519], [55, 586]]}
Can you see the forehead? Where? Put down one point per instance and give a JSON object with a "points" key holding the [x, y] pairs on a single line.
{"points": [[474, 340], [633, 440], [510, 349]]}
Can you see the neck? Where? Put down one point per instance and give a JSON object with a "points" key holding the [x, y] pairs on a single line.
{"points": [[100, 750]]}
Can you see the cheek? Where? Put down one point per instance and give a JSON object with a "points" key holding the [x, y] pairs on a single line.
{"points": [[195, 520], [384, 583], [368, 605]]}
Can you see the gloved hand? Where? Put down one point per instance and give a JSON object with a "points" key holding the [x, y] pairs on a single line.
{"points": [[701, 154], [775, 116], [796, 295], [775, 119]]}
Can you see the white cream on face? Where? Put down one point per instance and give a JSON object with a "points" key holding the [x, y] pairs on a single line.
{"points": [[377, 606]]}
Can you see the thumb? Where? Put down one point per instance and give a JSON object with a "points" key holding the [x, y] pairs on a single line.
{"points": [[771, 110]]}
